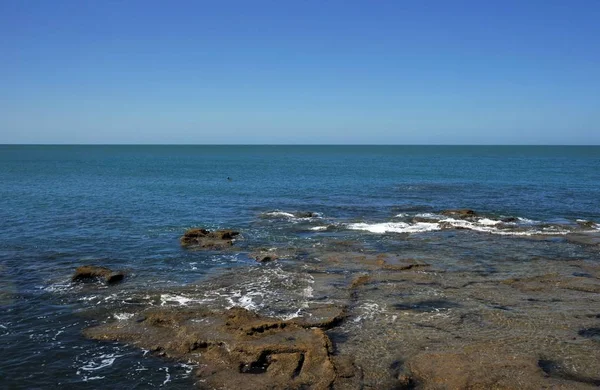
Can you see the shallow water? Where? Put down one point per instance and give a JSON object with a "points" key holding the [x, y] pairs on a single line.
{"points": [[125, 207]]}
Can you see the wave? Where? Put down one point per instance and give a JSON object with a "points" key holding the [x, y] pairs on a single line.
{"points": [[510, 226], [395, 227], [297, 215]]}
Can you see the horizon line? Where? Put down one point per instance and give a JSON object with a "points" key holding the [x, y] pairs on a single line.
{"points": [[282, 144]]}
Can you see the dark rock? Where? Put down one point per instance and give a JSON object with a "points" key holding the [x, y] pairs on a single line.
{"points": [[202, 238], [586, 224], [418, 219], [590, 333], [264, 256], [91, 272], [306, 214], [460, 213], [555, 369], [510, 219]]}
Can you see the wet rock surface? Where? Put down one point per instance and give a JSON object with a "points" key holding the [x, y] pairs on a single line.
{"points": [[460, 213], [205, 239], [338, 314], [235, 348], [87, 273]]}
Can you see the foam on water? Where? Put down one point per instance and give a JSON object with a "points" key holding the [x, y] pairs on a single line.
{"points": [[319, 228], [395, 227], [523, 226], [368, 311], [180, 300], [122, 316], [99, 362], [298, 217], [279, 214]]}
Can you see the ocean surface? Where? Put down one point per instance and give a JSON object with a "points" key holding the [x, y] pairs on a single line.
{"points": [[125, 207]]}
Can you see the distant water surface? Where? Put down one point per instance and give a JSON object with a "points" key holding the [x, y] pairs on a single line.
{"points": [[125, 207]]}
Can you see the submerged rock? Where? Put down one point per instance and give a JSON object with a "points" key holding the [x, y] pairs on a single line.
{"points": [[306, 214], [92, 272], [586, 224], [460, 213], [487, 366], [202, 238], [235, 348]]}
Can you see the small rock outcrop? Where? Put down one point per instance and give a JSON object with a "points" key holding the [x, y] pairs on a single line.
{"points": [[459, 213], [92, 272], [202, 238]]}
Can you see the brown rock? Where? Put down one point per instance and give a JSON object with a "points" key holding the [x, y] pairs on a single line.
{"points": [[460, 213], [484, 366], [202, 238], [234, 349], [264, 256], [91, 272], [359, 281]]}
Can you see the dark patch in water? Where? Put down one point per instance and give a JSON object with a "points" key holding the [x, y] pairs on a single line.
{"points": [[590, 333], [582, 274], [427, 306], [398, 370], [554, 369]]}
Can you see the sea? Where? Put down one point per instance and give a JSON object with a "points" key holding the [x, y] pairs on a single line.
{"points": [[125, 207]]}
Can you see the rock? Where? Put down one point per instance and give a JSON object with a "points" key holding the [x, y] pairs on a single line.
{"points": [[359, 281], [91, 272], [460, 213], [484, 366], [592, 239], [306, 214], [233, 349], [264, 256], [202, 238], [510, 219], [586, 224], [323, 317]]}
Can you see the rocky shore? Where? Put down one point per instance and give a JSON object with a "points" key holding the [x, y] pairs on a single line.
{"points": [[342, 315]]}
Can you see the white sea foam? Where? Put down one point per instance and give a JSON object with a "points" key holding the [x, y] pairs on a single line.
{"points": [[189, 367], [490, 228], [100, 362], [123, 316], [369, 310], [317, 228], [279, 214], [287, 317], [429, 215], [291, 216], [180, 299], [527, 221], [488, 222], [484, 225], [237, 299], [92, 378], [167, 375], [395, 227]]}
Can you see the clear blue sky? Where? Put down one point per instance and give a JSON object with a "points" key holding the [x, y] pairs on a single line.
{"points": [[384, 72]]}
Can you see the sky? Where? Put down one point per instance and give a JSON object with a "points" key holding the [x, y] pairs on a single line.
{"points": [[300, 72]]}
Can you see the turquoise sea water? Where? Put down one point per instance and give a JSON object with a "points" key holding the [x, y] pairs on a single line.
{"points": [[127, 206]]}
